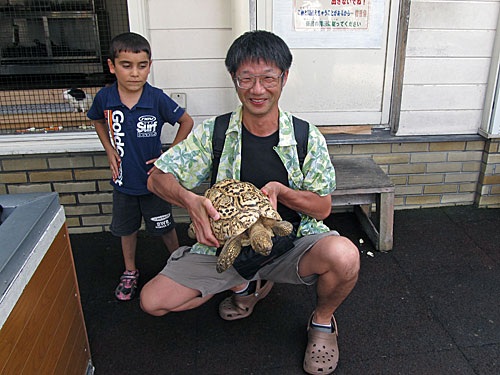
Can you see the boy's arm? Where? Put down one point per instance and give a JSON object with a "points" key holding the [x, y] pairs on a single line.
{"points": [[114, 159], [186, 124]]}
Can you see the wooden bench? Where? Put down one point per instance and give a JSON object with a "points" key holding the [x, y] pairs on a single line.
{"points": [[360, 183]]}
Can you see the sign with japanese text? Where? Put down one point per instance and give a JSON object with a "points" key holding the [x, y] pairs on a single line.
{"points": [[330, 23], [331, 14]]}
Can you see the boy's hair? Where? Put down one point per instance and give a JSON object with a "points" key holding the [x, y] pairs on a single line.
{"points": [[128, 42], [256, 45]]}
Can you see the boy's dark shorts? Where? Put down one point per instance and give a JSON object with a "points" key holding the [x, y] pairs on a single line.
{"points": [[128, 211]]}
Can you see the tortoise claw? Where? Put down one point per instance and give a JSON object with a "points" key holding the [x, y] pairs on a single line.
{"points": [[191, 232]]}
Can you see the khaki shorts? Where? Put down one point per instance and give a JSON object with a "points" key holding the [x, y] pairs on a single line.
{"points": [[197, 271]]}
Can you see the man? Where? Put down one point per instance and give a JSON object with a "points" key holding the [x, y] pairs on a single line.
{"points": [[259, 147]]}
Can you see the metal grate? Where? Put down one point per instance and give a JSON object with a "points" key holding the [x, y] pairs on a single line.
{"points": [[53, 60]]}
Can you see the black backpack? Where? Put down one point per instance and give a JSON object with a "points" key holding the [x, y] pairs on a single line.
{"points": [[300, 127]]}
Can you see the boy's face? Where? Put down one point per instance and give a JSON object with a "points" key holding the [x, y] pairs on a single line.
{"points": [[131, 70]]}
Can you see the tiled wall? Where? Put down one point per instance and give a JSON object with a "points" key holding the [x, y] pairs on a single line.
{"points": [[489, 180], [426, 174], [81, 179], [434, 174]]}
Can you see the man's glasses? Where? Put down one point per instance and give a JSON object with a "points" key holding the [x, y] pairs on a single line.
{"points": [[267, 81]]}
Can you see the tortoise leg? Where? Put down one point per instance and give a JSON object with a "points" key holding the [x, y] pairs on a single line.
{"points": [[282, 228], [228, 254], [260, 238]]}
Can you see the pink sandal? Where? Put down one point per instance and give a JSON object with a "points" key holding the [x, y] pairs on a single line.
{"points": [[239, 307], [322, 352]]}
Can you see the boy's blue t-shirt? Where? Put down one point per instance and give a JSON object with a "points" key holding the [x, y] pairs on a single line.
{"points": [[135, 132]]}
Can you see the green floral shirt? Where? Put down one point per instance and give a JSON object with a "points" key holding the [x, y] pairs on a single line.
{"points": [[190, 161]]}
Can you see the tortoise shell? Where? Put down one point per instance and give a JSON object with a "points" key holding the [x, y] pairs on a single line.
{"points": [[240, 205]]}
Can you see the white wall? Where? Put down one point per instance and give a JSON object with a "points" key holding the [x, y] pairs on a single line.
{"points": [[343, 85], [448, 55], [189, 40], [328, 86]]}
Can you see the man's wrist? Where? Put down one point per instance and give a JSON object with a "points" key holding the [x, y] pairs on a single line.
{"points": [[187, 198]]}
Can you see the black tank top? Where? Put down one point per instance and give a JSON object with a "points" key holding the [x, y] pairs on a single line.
{"points": [[261, 164]]}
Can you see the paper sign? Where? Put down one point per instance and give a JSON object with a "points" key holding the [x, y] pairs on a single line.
{"points": [[331, 14], [330, 23]]}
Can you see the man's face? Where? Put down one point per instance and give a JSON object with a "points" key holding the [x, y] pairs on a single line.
{"points": [[260, 100], [131, 70]]}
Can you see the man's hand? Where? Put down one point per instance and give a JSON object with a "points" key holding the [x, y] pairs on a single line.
{"points": [[271, 190], [200, 209]]}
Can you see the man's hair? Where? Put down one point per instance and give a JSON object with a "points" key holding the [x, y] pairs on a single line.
{"points": [[128, 42], [257, 45]]}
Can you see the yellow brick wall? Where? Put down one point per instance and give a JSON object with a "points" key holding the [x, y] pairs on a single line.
{"points": [[426, 174], [488, 187], [81, 179]]}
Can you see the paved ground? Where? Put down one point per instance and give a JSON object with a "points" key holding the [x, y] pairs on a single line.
{"points": [[430, 306]]}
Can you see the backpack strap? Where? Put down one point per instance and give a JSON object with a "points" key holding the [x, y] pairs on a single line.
{"points": [[300, 128], [218, 139]]}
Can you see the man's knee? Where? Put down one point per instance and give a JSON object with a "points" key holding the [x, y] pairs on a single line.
{"points": [[148, 301], [343, 255], [154, 298]]}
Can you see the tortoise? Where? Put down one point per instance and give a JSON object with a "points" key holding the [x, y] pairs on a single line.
{"points": [[246, 218]]}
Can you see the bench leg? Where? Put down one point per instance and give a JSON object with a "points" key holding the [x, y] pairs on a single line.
{"points": [[367, 225], [385, 216]]}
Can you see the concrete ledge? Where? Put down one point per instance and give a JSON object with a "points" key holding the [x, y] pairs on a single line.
{"points": [[49, 143], [89, 142]]}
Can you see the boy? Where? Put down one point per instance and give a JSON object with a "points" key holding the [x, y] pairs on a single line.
{"points": [[128, 118]]}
